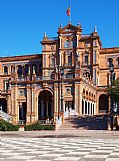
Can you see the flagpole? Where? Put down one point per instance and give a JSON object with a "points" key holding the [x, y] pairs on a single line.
{"points": [[70, 14]]}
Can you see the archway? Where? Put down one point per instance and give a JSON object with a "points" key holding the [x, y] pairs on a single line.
{"points": [[103, 103], [45, 105], [3, 104]]}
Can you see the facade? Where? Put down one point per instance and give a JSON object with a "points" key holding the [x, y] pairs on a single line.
{"points": [[69, 77]]}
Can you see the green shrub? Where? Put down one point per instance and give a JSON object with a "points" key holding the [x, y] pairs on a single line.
{"points": [[37, 126], [6, 126]]}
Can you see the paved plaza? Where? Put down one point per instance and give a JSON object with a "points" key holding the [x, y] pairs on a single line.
{"points": [[41, 146]]}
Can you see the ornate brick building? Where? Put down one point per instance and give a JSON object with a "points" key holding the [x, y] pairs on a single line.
{"points": [[69, 77]]}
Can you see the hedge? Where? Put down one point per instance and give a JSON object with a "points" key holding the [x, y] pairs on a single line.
{"points": [[6, 126], [37, 126]]}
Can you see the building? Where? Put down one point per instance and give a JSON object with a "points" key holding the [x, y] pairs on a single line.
{"points": [[69, 77]]}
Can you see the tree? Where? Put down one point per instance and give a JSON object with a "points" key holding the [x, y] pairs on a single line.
{"points": [[114, 90]]}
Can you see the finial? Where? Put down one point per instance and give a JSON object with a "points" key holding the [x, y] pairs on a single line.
{"points": [[45, 35], [95, 29], [60, 25], [78, 24]]}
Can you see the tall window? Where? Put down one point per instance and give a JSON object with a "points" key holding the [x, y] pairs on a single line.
{"points": [[117, 61], [26, 69], [110, 61], [44, 60], [86, 59], [5, 70], [94, 57], [19, 71], [70, 59], [94, 75], [53, 61]]}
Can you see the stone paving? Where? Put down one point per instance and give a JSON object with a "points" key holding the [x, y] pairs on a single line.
{"points": [[58, 149]]}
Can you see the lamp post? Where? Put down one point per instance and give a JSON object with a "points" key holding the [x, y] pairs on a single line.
{"points": [[111, 68], [62, 73]]}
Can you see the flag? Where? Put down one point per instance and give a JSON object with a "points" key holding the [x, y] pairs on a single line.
{"points": [[68, 11]]}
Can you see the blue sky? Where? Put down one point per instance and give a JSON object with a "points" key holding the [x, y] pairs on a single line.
{"points": [[23, 22]]}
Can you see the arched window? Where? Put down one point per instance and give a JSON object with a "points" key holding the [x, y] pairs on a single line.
{"points": [[68, 44], [117, 61], [109, 61], [19, 71], [26, 69], [5, 70], [53, 60]]}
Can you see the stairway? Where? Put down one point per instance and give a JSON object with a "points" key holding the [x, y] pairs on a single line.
{"points": [[98, 122], [5, 116], [69, 124]]}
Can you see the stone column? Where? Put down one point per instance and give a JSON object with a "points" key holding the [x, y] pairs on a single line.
{"points": [[15, 104], [28, 104], [84, 106], [77, 40], [33, 104], [91, 109], [9, 108]]}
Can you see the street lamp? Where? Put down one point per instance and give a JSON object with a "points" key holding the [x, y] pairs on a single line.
{"points": [[111, 68], [62, 73]]}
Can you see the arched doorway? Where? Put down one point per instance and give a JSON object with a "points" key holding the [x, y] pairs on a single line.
{"points": [[45, 105], [103, 103], [3, 104]]}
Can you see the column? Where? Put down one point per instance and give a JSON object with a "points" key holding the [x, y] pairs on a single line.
{"points": [[91, 109], [9, 110], [15, 104], [28, 104], [77, 40], [60, 46], [84, 106]]}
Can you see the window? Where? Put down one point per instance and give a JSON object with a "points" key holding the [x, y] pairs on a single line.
{"points": [[69, 59], [20, 92], [117, 61], [94, 57], [110, 61], [5, 70], [53, 61], [19, 71], [26, 68], [44, 60], [68, 44], [94, 75], [52, 47], [86, 59]]}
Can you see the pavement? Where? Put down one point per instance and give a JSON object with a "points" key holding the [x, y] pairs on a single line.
{"points": [[77, 145]]}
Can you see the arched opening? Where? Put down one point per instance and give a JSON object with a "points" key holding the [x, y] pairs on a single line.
{"points": [[20, 72], [103, 103], [45, 106], [5, 70], [3, 104]]}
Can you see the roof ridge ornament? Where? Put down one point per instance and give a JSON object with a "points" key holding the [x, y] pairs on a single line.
{"points": [[95, 28]]}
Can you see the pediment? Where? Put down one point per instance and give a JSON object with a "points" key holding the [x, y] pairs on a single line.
{"points": [[69, 28]]}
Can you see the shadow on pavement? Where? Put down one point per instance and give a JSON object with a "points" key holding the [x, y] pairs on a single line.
{"points": [[99, 122]]}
